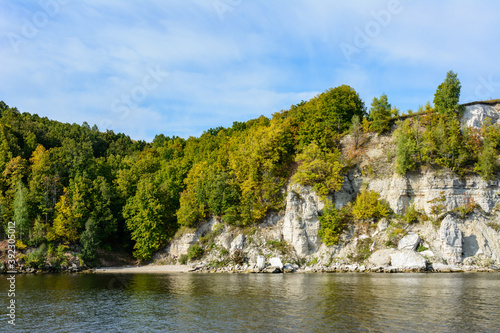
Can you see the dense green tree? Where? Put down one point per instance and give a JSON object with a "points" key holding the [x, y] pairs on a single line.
{"points": [[380, 114], [321, 170], [326, 116], [101, 213], [356, 130], [8, 145], [406, 148], [40, 182], [487, 163], [66, 226], [90, 241], [147, 218], [447, 95], [21, 214]]}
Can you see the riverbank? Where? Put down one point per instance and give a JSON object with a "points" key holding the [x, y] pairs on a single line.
{"points": [[354, 268], [145, 269], [245, 268]]}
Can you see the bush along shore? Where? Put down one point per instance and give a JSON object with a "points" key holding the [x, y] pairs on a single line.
{"points": [[41, 260]]}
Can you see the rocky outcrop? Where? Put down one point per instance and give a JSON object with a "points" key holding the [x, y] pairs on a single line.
{"points": [[301, 223], [261, 263], [409, 242], [476, 114], [238, 243], [451, 239], [428, 189], [480, 242], [397, 260]]}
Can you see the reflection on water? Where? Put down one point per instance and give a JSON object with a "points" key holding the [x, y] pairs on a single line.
{"points": [[258, 302]]}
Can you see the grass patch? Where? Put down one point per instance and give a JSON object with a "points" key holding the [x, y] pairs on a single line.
{"points": [[421, 248], [395, 236], [209, 238], [313, 262], [280, 246], [362, 251], [494, 226]]}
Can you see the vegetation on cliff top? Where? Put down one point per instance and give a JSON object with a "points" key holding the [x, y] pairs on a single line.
{"points": [[69, 184]]}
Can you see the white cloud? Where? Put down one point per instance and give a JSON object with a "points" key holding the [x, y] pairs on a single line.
{"points": [[253, 58]]}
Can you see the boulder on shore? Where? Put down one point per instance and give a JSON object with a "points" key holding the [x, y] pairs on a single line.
{"points": [[408, 260], [381, 258], [276, 262]]}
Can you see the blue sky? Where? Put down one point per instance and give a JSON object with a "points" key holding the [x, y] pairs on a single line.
{"points": [[181, 67]]}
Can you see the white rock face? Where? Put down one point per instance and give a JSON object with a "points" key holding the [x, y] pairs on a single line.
{"points": [[479, 240], [238, 243], [451, 238], [409, 242], [381, 258], [261, 262], [301, 223], [181, 245], [475, 115], [276, 262], [422, 188], [225, 241], [408, 260]]}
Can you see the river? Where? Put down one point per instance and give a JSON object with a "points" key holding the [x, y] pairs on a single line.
{"points": [[255, 302]]}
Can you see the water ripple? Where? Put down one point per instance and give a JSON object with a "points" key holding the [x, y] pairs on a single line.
{"points": [[250, 303]]}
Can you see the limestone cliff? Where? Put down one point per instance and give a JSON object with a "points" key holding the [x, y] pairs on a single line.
{"points": [[447, 239]]}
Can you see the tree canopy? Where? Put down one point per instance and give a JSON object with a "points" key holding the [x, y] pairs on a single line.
{"points": [[447, 95], [72, 184]]}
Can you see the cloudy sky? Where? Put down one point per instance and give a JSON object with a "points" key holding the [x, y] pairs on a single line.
{"points": [[181, 67]]}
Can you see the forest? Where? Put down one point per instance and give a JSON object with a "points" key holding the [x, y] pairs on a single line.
{"points": [[74, 185]]}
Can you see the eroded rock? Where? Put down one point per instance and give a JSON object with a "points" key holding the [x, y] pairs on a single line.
{"points": [[276, 262], [261, 262], [381, 258], [238, 243], [301, 223], [408, 260], [451, 240], [409, 242]]}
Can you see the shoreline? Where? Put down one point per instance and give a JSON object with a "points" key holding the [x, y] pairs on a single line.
{"points": [[297, 270], [144, 269], [249, 269]]}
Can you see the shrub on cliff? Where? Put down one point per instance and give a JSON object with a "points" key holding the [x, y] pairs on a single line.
{"points": [[369, 205], [195, 252], [332, 223]]}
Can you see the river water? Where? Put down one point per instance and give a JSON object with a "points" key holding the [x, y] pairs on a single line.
{"points": [[255, 302]]}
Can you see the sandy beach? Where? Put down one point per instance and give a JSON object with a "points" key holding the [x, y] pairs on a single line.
{"points": [[145, 269]]}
